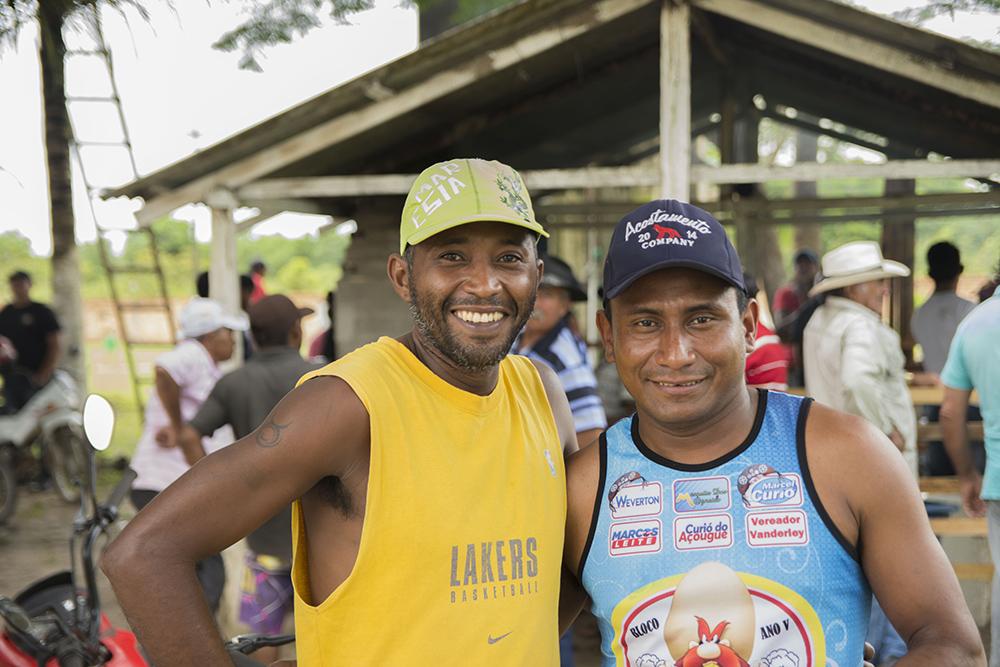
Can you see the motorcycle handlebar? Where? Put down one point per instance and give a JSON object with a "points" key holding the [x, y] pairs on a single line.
{"points": [[123, 486]]}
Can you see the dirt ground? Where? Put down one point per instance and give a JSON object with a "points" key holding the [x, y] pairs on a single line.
{"points": [[35, 544]]}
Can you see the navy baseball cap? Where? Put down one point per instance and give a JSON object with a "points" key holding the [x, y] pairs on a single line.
{"points": [[667, 233]]}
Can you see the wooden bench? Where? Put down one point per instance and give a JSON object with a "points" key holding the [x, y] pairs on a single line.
{"points": [[964, 526]]}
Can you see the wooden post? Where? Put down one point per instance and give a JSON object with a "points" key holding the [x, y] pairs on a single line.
{"points": [[807, 234], [675, 100], [898, 243]]}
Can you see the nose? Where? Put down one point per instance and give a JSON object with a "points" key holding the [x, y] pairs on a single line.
{"points": [[482, 280], [708, 650], [675, 351]]}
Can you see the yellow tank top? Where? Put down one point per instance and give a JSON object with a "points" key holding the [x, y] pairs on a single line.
{"points": [[460, 554]]}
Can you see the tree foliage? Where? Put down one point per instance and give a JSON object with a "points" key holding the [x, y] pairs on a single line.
{"points": [[273, 22]]}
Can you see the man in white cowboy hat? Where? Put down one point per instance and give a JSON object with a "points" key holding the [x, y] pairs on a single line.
{"points": [[854, 362]]}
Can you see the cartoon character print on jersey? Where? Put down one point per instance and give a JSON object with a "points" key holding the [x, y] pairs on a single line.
{"points": [[750, 475], [760, 623], [711, 649]]}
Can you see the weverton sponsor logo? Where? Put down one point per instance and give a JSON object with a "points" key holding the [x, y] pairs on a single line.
{"points": [[627, 538], [642, 499], [704, 531], [777, 528]]}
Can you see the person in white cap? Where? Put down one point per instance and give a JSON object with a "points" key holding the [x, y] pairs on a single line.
{"points": [[184, 378], [854, 362]]}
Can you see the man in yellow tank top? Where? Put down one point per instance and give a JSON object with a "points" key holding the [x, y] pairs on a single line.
{"points": [[426, 471]]}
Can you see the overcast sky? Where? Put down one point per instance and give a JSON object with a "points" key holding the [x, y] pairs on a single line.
{"points": [[180, 95]]}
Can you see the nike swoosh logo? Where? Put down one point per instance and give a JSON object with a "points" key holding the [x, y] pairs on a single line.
{"points": [[493, 640]]}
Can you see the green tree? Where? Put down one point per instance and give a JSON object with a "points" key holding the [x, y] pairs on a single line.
{"points": [[273, 22], [53, 17]]}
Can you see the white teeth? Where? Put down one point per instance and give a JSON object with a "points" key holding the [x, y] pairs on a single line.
{"points": [[476, 317], [681, 384]]}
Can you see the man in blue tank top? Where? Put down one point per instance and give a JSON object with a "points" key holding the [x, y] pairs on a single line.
{"points": [[722, 526]]}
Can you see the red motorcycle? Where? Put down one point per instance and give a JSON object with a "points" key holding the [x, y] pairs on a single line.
{"points": [[57, 621]]}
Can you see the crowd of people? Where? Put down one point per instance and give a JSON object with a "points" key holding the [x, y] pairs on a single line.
{"points": [[465, 476]]}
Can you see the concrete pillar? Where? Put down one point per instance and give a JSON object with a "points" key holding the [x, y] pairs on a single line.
{"points": [[367, 306], [807, 234]]}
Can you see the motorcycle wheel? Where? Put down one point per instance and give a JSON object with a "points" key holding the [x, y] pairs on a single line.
{"points": [[65, 457], [8, 488]]}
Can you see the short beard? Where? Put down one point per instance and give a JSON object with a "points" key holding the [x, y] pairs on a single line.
{"points": [[475, 359]]}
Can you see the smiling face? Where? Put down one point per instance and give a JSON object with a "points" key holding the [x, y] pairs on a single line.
{"points": [[470, 290], [680, 344]]}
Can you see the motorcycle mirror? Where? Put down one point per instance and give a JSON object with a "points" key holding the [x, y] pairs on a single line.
{"points": [[98, 421]]}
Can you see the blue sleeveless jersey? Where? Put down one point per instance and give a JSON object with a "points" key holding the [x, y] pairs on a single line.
{"points": [[726, 564]]}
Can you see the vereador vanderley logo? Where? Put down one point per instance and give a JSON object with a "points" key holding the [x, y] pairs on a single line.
{"points": [[494, 570]]}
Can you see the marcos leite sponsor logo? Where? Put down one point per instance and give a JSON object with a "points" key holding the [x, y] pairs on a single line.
{"points": [[701, 494], [777, 528], [627, 538], [704, 531], [637, 499]]}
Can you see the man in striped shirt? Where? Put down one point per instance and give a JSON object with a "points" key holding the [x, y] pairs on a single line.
{"points": [[550, 335]]}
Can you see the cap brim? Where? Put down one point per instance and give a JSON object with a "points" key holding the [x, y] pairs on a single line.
{"points": [[670, 264], [427, 232], [236, 322], [888, 269], [305, 311]]}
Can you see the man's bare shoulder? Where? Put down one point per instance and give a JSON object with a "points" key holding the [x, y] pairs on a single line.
{"points": [[843, 436], [583, 476], [560, 405], [852, 465]]}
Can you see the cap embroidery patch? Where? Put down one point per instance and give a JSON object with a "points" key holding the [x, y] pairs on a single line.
{"points": [[512, 196], [442, 187]]}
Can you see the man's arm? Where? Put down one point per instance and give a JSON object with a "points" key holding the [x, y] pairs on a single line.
{"points": [[318, 430], [954, 410], [48, 366], [583, 471], [584, 438], [560, 407], [873, 499], [211, 416]]}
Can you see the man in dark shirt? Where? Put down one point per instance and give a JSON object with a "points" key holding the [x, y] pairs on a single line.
{"points": [[243, 399], [33, 331]]}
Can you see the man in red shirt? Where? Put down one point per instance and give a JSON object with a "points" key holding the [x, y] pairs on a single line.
{"points": [[767, 365]]}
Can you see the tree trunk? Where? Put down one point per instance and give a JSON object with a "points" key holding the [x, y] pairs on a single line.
{"points": [[65, 263]]}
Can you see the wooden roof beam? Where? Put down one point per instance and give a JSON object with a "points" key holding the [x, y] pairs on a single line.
{"points": [[853, 46], [369, 185], [380, 111]]}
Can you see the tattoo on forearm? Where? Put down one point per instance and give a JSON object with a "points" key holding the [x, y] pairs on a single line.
{"points": [[269, 435]]}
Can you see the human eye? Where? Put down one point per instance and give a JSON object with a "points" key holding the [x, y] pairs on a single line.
{"points": [[511, 258], [451, 256]]}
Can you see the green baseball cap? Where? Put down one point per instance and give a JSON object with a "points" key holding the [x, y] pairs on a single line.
{"points": [[464, 190]]}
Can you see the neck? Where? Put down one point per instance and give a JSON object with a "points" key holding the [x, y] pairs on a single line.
{"points": [[478, 381], [21, 303], [946, 286], [706, 440]]}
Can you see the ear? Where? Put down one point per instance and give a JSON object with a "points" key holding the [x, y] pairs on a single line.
{"points": [[607, 335], [398, 272], [749, 320]]}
